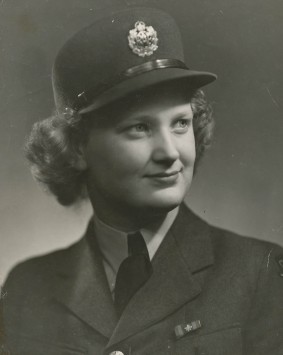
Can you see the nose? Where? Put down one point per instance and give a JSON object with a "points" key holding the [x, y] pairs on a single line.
{"points": [[164, 147]]}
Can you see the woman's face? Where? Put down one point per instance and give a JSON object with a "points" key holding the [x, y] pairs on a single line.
{"points": [[140, 155]]}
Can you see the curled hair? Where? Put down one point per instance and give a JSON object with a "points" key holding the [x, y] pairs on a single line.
{"points": [[203, 123], [52, 152], [52, 149]]}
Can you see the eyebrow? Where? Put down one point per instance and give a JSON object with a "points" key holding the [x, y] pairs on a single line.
{"points": [[183, 114]]}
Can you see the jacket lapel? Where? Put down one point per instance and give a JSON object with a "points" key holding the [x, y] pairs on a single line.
{"points": [[185, 250], [83, 286], [84, 290]]}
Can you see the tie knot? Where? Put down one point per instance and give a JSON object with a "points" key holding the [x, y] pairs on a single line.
{"points": [[136, 244]]}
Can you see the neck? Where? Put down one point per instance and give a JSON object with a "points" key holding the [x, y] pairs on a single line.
{"points": [[155, 227], [132, 220]]}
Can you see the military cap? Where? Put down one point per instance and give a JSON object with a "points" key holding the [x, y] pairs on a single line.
{"points": [[120, 53]]}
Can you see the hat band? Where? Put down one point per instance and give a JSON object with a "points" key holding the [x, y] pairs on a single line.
{"points": [[155, 64], [85, 98]]}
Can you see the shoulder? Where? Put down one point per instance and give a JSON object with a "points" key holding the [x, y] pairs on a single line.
{"points": [[37, 273], [243, 266], [242, 247], [224, 243], [233, 252], [250, 260]]}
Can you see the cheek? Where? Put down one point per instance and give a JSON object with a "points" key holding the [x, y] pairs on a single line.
{"points": [[130, 158], [187, 149], [112, 157]]}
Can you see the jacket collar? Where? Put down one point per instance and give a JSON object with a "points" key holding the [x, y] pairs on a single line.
{"points": [[192, 236], [83, 286], [185, 250]]}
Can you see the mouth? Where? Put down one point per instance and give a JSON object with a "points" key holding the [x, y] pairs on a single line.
{"points": [[167, 177], [165, 174]]}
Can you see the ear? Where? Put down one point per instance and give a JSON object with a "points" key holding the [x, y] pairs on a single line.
{"points": [[79, 161]]}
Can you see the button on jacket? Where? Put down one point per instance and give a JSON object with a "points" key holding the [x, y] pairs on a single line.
{"points": [[211, 292]]}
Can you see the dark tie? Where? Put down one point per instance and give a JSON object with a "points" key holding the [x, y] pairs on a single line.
{"points": [[134, 271]]}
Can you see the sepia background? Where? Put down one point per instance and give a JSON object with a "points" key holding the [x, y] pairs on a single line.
{"points": [[239, 185]]}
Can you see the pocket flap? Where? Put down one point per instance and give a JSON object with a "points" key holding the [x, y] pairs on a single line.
{"points": [[223, 342]]}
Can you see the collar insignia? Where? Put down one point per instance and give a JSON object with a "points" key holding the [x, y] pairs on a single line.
{"points": [[143, 39]]}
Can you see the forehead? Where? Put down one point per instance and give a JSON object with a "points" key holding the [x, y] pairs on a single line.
{"points": [[153, 100]]}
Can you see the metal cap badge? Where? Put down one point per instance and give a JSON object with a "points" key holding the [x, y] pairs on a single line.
{"points": [[143, 39]]}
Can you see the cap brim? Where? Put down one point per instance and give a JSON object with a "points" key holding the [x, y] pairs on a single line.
{"points": [[190, 79]]}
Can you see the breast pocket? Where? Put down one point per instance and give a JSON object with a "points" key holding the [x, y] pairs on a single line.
{"points": [[222, 342]]}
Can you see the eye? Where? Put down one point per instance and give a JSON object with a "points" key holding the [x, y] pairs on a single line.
{"points": [[140, 127], [138, 130], [181, 125]]}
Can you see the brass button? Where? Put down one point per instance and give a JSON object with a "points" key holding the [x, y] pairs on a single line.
{"points": [[116, 353]]}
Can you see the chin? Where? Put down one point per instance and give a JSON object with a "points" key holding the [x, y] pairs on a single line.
{"points": [[165, 202]]}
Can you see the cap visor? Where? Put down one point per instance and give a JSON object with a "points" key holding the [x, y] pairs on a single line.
{"points": [[190, 79]]}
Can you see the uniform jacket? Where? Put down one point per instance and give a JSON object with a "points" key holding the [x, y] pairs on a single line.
{"points": [[60, 303]]}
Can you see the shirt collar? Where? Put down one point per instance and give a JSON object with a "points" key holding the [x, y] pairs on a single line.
{"points": [[112, 243], [155, 235], [114, 247]]}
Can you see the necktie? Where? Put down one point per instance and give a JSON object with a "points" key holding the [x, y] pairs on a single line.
{"points": [[134, 271]]}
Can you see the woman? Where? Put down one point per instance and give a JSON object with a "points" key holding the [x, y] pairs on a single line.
{"points": [[148, 277]]}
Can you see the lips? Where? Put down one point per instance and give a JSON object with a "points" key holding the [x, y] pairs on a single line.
{"points": [[165, 177], [164, 174]]}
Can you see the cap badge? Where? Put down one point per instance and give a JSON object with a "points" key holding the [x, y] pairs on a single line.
{"points": [[143, 39]]}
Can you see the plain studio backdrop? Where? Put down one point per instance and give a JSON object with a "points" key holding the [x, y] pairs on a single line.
{"points": [[239, 185]]}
